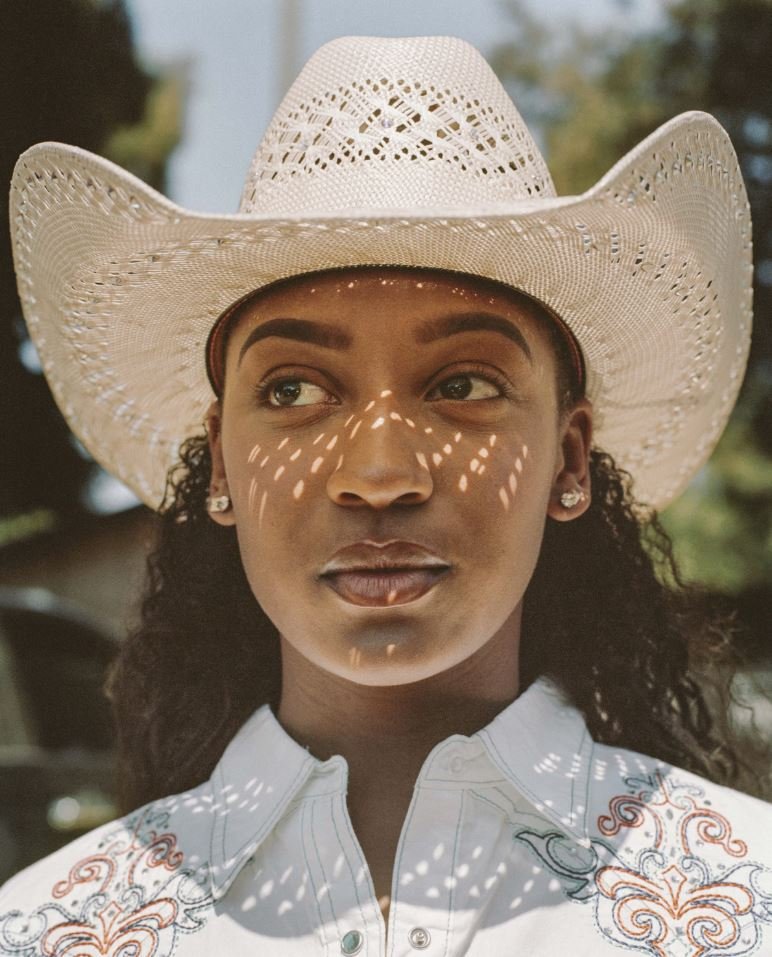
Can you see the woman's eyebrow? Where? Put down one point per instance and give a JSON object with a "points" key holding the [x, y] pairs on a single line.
{"points": [[428, 330]]}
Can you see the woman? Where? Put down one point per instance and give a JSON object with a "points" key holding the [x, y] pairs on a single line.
{"points": [[404, 649]]}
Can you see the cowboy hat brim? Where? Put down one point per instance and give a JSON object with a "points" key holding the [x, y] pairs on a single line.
{"points": [[650, 268]]}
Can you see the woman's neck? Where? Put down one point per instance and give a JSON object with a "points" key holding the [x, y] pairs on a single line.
{"points": [[386, 732]]}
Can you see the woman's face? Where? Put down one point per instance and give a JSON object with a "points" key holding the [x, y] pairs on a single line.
{"points": [[376, 421]]}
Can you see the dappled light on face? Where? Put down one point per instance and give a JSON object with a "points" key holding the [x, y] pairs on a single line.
{"points": [[512, 480], [446, 450]]}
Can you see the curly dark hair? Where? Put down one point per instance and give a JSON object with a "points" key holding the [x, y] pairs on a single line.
{"points": [[646, 658]]}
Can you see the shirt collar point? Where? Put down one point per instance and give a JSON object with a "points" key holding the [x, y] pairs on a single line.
{"points": [[540, 743], [261, 771]]}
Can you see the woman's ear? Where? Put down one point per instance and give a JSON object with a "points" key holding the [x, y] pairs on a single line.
{"points": [[220, 510], [571, 488]]}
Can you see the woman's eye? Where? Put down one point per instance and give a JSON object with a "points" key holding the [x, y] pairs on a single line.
{"points": [[457, 387], [290, 390]]}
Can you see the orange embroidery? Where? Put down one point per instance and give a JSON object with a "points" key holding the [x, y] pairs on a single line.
{"points": [[661, 911], [670, 902], [116, 918], [114, 934]]}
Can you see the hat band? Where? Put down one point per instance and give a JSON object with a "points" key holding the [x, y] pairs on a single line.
{"points": [[216, 337]]}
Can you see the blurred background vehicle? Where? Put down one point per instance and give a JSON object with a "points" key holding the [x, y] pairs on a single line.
{"points": [[56, 754]]}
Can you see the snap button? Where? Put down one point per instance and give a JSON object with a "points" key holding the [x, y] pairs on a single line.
{"points": [[457, 765], [419, 938], [351, 943]]}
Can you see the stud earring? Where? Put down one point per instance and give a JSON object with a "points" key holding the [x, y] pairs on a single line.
{"points": [[218, 503], [569, 499]]}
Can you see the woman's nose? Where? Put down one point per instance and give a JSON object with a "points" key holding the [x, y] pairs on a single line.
{"points": [[382, 464]]}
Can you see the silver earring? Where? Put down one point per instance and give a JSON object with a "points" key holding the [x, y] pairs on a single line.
{"points": [[218, 503], [569, 499]]}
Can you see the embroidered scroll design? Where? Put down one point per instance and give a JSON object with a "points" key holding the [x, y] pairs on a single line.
{"points": [[666, 875], [132, 897], [682, 895]]}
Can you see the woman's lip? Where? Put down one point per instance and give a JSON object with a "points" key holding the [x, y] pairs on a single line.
{"points": [[381, 587]]}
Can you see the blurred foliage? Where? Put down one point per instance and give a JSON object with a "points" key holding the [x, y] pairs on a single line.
{"points": [[69, 73], [722, 524], [24, 525], [591, 97], [144, 147]]}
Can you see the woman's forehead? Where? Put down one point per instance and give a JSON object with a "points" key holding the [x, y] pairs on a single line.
{"points": [[363, 301], [332, 290]]}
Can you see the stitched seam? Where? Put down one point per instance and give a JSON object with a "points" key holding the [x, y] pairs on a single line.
{"points": [[591, 757], [400, 852], [320, 862], [497, 807], [215, 824], [357, 846], [451, 900], [220, 821], [548, 812], [320, 925], [279, 806], [585, 735], [434, 784], [573, 782], [348, 865], [312, 797]]}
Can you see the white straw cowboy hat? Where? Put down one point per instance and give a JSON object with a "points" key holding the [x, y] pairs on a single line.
{"points": [[398, 151]]}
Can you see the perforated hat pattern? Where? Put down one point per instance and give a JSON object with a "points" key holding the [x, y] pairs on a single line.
{"points": [[422, 124]]}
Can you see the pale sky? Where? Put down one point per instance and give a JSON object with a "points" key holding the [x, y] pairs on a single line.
{"points": [[241, 67]]}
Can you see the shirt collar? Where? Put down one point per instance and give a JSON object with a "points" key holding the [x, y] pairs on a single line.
{"points": [[539, 743], [260, 772]]}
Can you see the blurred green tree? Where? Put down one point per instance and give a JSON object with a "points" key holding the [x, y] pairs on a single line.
{"points": [[68, 72], [593, 95]]}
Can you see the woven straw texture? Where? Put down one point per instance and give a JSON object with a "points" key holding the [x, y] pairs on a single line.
{"points": [[408, 152]]}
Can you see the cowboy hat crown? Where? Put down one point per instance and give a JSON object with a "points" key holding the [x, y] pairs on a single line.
{"points": [[394, 123]]}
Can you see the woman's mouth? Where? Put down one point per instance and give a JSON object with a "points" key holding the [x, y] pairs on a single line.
{"points": [[383, 588]]}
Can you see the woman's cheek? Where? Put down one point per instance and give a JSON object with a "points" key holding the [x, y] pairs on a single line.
{"points": [[268, 471]]}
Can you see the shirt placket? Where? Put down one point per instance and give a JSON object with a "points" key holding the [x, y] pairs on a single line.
{"points": [[421, 910], [428, 866], [347, 914]]}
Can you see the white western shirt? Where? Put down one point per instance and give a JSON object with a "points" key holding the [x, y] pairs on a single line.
{"points": [[524, 838]]}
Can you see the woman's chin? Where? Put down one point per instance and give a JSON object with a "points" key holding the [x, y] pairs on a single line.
{"points": [[386, 659]]}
